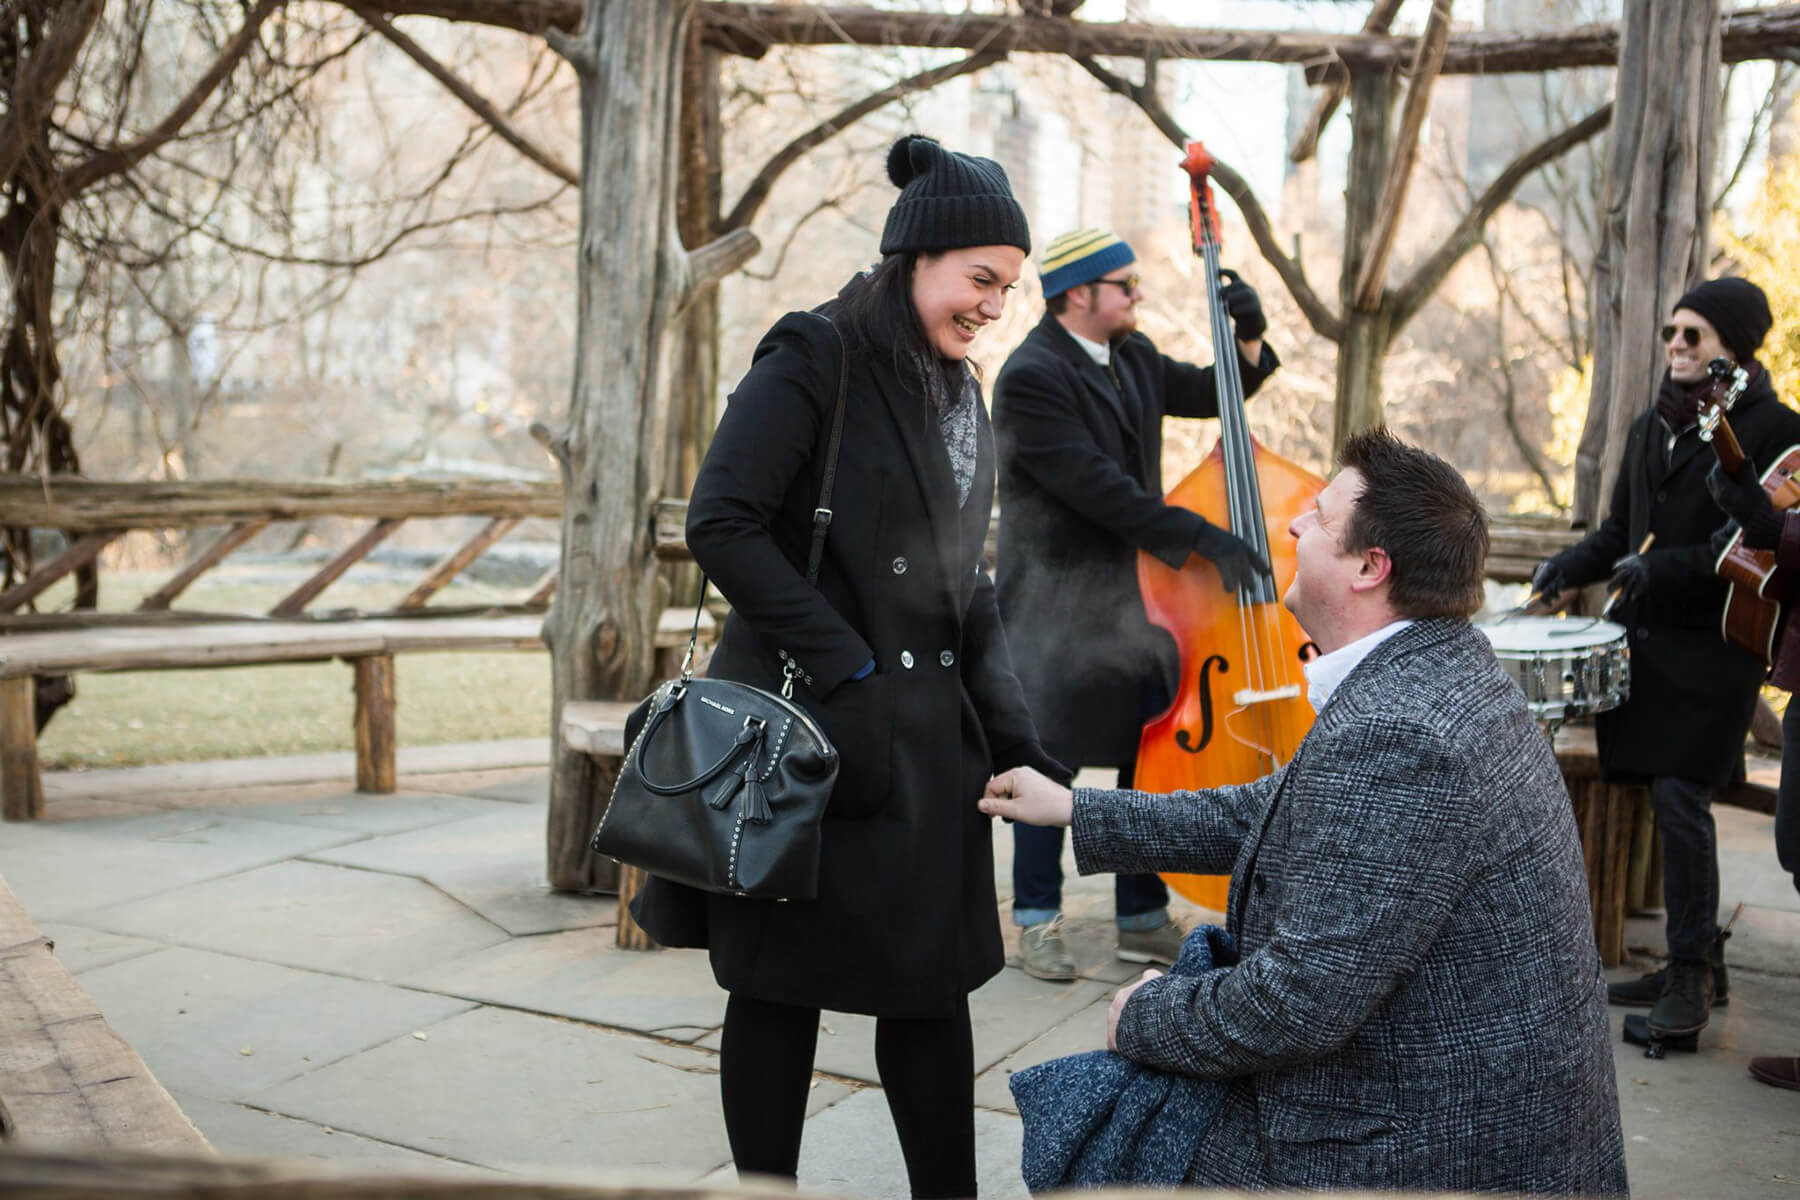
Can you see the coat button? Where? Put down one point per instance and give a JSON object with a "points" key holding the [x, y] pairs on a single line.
{"points": [[906, 659], [1262, 883], [900, 565], [947, 658]]}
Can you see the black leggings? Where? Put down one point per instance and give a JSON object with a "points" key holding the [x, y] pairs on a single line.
{"points": [[927, 1069]]}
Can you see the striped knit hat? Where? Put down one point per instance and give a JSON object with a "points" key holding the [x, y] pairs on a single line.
{"points": [[1081, 257], [949, 200]]}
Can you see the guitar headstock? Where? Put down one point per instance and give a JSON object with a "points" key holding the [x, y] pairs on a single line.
{"points": [[1726, 382]]}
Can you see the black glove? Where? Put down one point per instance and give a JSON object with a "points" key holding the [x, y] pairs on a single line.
{"points": [[1722, 536], [1238, 563], [1743, 499], [1630, 580], [1245, 307], [1548, 581]]}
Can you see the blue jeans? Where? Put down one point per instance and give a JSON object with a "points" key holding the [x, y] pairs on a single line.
{"points": [[1139, 901]]}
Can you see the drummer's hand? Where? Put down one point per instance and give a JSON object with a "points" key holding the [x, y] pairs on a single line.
{"points": [[1630, 579], [1022, 794], [1548, 584]]}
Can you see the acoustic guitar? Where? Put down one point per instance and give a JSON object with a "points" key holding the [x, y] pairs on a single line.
{"points": [[1757, 587]]}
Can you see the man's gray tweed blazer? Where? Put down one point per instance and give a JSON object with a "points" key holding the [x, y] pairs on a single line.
{"points": [[1419, 1003]]}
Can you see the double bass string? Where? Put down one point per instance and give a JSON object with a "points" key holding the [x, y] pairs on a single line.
{"points": [[1260, 635]]}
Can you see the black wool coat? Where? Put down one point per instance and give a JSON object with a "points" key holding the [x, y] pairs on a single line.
{"points": [[906, 921], [1081, 493], [1692, 695]]}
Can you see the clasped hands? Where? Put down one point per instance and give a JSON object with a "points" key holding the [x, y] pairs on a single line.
{"points": [[1022, 794]]}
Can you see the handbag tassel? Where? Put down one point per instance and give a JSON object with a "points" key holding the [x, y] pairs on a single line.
{"points": [[744, 778]]}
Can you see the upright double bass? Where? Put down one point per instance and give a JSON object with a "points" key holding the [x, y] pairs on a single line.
{"points": [[1240, 709]]}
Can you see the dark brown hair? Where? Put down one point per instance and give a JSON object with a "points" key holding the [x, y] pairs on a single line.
{"points": [[1417, 508]]}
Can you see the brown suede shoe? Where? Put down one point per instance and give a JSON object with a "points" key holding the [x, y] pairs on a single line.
{"points": [[1777, 1072]]}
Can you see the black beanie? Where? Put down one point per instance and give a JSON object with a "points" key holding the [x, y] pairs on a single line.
{"points": [[1736, 308], [949, 200]]}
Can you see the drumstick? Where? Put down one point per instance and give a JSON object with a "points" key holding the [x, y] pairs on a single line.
{"points": [[1612, 597]]}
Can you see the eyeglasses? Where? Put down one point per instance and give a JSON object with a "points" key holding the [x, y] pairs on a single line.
{"points": [[1690, 336], [1128, 285]]}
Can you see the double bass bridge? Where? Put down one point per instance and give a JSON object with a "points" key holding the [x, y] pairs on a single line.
{"points": [[1245, 697]]}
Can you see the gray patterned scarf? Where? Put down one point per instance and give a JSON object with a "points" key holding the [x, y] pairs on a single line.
{"points": [[955, 420]]}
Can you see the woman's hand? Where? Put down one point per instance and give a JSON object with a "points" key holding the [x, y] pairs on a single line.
{"points": [[1022, 794], [1119, 1000]]}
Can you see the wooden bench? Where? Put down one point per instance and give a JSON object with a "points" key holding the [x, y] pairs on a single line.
{"points": [[67, 1079], [369, 646]]}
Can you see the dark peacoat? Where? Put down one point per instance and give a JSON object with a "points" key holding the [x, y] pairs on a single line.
{"points": [[1080, 494], [1692, 696], [906, 921]]}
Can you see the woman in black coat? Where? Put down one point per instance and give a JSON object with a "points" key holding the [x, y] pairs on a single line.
{"points": [[899, 655]]}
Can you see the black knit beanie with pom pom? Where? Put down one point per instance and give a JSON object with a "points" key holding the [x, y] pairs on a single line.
{"points": [[949, 200]]}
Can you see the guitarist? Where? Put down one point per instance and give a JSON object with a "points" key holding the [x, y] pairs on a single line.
{"points": [[1743, 498], [1682, 729]]}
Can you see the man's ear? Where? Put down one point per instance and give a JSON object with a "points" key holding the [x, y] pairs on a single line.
{"points": [[1374, 569]]}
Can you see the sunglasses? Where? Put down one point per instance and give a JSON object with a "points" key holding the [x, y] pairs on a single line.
{"points": [[1690, 336], [1129, 284]]}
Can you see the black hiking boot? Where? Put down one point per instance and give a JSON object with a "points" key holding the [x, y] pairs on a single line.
{"points": [[1687, 1000], [1646, 990]]}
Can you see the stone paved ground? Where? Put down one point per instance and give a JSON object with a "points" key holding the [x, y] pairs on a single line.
{"points": [[386, 982]]}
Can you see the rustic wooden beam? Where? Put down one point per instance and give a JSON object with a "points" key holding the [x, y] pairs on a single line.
{"points": [[30, 502], [376, 739], [84, 551], [300, 597], [206, 560], [458, 562], [1425, 66], [68, 1079], [21, 781], [752, 29]]}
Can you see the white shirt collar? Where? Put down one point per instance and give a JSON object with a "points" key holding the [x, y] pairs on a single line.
{"points": [[1324, 673], [1100, 352]]}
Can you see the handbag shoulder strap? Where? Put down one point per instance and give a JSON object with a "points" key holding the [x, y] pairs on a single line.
{"points": [[821, 512]]}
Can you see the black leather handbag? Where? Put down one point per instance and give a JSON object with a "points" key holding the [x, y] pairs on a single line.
{"points": [[724, 784]]}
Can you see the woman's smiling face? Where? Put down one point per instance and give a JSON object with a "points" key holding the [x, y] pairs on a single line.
{"points": [[956, 292]]}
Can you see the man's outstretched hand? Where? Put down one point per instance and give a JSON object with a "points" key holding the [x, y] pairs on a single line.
{"points": [[1022, 794]]}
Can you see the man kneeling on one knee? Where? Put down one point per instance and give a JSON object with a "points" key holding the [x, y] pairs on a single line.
{"points": [[1419, 1003]]}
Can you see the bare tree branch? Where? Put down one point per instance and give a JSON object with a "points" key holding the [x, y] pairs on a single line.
{"points": [[35, 92], [1412, 294], [471, 99], [754, 196], [1325, 323], [1430, 58], [115, 159]]}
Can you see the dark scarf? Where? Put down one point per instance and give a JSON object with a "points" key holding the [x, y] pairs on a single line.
{"points": [[1678, 404]]}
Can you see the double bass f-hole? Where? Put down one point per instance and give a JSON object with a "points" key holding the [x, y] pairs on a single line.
{"points": [[1183, 738]]}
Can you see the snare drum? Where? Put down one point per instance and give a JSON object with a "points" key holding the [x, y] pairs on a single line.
{"points": [[1567, 666]]}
